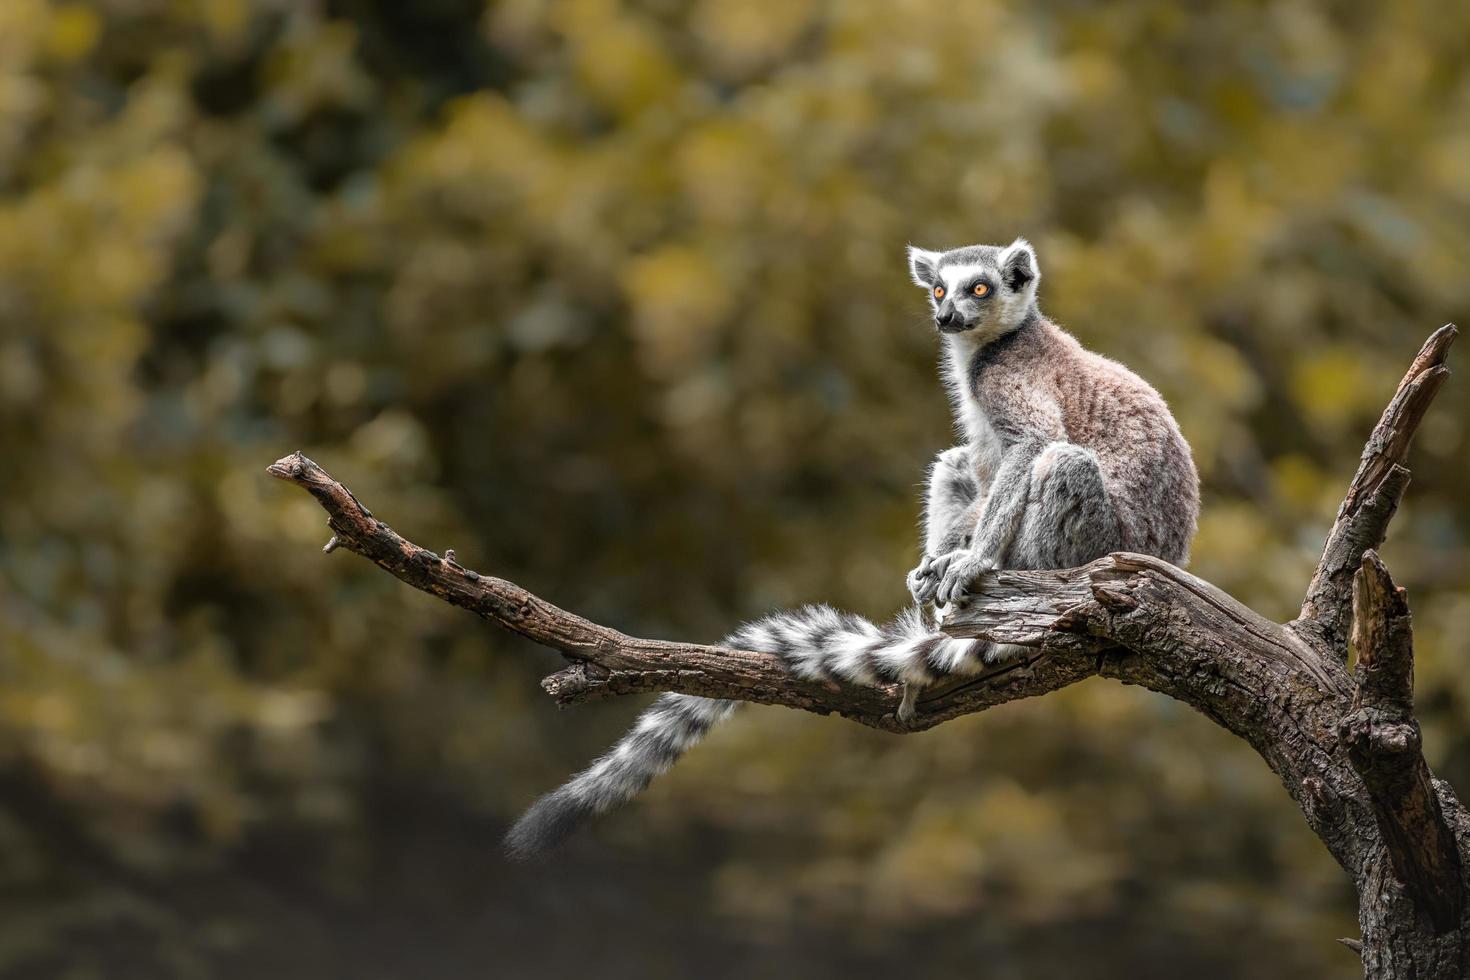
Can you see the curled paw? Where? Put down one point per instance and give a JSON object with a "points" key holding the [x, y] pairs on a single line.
{"points": [[958, 576], [924, 581], [921, 586]]}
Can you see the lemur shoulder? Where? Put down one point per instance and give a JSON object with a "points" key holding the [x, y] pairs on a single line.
{"points": [[1067, 456]]}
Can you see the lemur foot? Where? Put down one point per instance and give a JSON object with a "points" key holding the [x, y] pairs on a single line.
{"points": [[958, 574]]}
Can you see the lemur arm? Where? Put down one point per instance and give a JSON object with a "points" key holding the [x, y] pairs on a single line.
{"points": [[953, 491], [997, 525], [953, 498]]}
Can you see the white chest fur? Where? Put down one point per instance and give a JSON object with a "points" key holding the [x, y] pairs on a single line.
{"points": [[960, 351]]}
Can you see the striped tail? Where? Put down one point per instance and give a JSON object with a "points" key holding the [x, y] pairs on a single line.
{"points": [[815, 641]]}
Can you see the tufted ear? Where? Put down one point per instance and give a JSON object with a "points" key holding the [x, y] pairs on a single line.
{"points": [[1018, 265], [923, 266]]}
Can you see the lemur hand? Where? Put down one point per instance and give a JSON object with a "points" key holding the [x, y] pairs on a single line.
{"points": [[924, 581], [960, 571], [922, 585], [915, 582]]}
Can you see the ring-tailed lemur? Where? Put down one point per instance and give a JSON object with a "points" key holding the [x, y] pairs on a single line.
{"points": [[1068, 456]]}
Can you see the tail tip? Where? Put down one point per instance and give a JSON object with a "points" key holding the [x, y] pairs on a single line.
{"points": [[546, 826]]}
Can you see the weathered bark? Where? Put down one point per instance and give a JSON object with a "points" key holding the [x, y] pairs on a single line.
{"points": [[1373, 496], [1382, 739], [1346, 746]]}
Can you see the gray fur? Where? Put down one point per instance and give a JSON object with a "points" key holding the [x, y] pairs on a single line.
{"points": [[1074, 455], [952, 489], [1067, 456], [664, 732]]}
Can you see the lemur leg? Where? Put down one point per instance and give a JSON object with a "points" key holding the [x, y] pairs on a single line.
{"points": [[953, 501], [1066, 519], [952, 504], [952, 489], [1069, 518], [1060, 518]]}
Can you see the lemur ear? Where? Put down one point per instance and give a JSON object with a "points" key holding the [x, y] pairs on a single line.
{"points": [[1018, 265], [923, 266]]}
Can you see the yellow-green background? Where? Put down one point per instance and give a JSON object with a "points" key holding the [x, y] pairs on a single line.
{"points": [[611, 298]]}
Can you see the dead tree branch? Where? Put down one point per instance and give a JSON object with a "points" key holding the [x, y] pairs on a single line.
{"points": [[1346, 748], [1383, 743], [1373, 496], [606, 662]]}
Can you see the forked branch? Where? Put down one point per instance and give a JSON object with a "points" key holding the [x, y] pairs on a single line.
{"points": [[1348, 753], [1383, 742]]}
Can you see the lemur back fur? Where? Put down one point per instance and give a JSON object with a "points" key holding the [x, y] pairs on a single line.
{"points": [[1068, 456]]}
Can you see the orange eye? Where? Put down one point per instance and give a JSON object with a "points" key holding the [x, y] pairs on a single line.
{"points": [[981, 289], [939, 292]]}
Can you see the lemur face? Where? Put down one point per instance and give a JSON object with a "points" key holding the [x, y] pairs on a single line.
{"points": [[981, 290]]}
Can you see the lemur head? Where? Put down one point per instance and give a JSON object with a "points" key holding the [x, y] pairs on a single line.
{"points": [[985, 291]]}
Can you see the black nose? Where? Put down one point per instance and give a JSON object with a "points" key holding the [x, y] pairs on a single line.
{"points": [[944, 319]]}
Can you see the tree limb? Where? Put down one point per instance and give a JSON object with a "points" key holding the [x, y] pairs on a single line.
{"points": [[1372, 497], [1383, 742], [606, 662], [1068, 617]]}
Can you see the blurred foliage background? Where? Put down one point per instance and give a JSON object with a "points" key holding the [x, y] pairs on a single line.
{"points": [[611, 298]]}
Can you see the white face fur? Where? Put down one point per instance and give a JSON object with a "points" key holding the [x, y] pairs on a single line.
{"points": [[979, 292]]}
